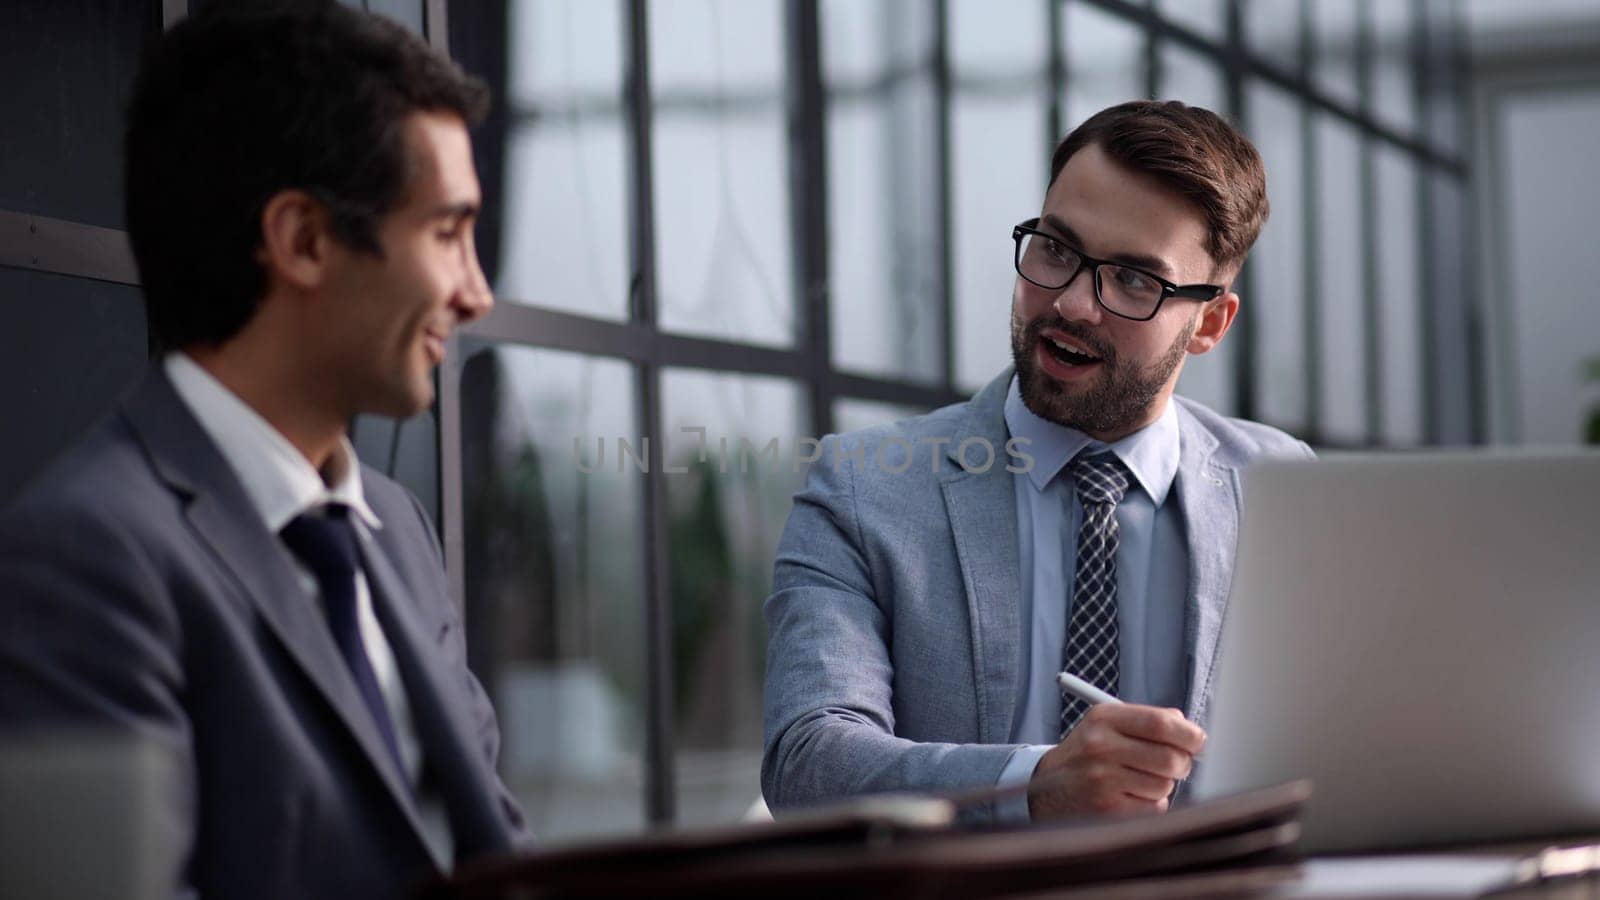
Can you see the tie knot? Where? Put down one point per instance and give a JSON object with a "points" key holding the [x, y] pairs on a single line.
{"points": [[1101, 478], [325, 543]]}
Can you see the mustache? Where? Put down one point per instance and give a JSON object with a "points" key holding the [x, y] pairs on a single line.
{"points": [[1100, 348]]}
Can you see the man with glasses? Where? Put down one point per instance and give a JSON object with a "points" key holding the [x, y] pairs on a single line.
{"points": [[937, 574]]}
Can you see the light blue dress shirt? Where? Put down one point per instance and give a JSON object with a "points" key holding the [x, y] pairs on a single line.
{"points": [[1152, 576]]}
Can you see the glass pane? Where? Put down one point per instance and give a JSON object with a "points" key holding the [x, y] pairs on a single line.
{"points": [[1272, 29], [854, 415], [1393, 84], [1197, 80], [71, 347], [563, 240], [864, 41], [1000, 171], [1192, 77], [723, 246], [1105, 60], [1203, 16], [1341, 327], [1541, 313], [68, 70], [884, 297], [713, 46], [1400, 297], [727, 500], [1000, 166], [554, 587], [1278, 302], [1005, 39], [1334, 27], [853, 36]]}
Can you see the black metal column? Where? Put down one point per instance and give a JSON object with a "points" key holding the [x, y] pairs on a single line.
{"points": [[660, 780]]}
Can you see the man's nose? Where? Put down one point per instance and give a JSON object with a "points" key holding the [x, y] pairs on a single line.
{"points": [[1076, 301], [474, 299]]}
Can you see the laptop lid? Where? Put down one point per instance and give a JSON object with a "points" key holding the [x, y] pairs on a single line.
{"points": [[1420, 636]]}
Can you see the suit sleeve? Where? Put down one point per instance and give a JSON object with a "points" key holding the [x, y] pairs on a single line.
{"points": [[91, 644], [829, 714]]}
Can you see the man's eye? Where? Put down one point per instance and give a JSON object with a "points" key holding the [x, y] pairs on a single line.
{"points": [[1137, 282]]}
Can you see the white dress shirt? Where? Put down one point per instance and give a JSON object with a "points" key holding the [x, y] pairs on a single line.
{"points": [[282, 484]]}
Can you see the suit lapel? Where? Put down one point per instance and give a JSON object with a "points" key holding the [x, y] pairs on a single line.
{"points": [[440, 710], [982, 508], [225, 522], [1209, 494]]}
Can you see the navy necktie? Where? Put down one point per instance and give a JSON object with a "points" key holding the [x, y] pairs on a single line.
{"points": [[1091, 646], [327, 546]]}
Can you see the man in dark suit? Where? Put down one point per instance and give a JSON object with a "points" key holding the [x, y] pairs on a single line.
{"points": [[211, 568]]}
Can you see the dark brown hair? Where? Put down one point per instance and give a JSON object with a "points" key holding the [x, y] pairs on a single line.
{"points": [[1195, 153], [242, 100]]}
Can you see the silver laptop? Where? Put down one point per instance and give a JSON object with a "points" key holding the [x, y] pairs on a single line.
{"points": [[1420, 635]]}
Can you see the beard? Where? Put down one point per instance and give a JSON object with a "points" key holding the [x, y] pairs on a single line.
{"points": [[1114, 403]]}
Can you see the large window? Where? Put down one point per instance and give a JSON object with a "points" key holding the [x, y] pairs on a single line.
{"points": [[553, 577], [741, 208]]}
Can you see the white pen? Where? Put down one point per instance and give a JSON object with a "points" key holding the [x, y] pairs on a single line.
{"points": [[1083, 690]]}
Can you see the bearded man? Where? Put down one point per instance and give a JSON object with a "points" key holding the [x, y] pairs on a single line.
{"points": [[1075, 516]]}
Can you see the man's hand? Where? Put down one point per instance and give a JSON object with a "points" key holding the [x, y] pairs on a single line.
{"points": [[1120, 758]]}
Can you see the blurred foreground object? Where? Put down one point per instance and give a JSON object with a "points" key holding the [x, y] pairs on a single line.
{"points": [[86, 816]]}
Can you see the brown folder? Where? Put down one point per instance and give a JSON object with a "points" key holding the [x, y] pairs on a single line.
{"points": [[909, 847]]}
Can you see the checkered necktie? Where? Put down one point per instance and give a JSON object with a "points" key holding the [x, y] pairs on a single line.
{"points": [[1091, 647]]}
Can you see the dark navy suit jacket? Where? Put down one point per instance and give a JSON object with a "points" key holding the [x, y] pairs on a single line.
{"points": [[140, 591]]}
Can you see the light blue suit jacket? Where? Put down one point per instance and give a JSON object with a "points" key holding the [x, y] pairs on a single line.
{"points": [[893, 659]]}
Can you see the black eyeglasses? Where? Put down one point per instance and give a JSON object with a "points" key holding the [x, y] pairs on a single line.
{"points": [[1122, 290]]}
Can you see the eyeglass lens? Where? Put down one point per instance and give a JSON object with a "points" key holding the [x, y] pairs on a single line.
{"points": [[1051, 264]]}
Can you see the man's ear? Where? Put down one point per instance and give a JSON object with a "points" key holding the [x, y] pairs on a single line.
{"points": [[296, 238], [1216, 317]]}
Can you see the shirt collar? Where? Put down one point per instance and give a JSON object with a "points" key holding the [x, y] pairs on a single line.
{"points": [[1151, 453], [280, 482]]}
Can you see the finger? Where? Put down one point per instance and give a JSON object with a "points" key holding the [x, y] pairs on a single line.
{"points": [[1150, 723], [1160, 760], [1126, 804], [1143, 785], [1140, 804], [1103, 743]]}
